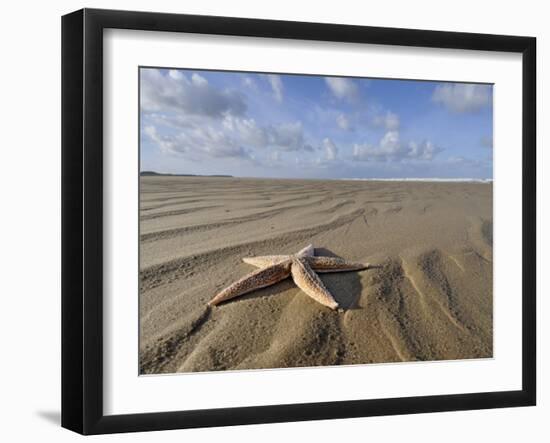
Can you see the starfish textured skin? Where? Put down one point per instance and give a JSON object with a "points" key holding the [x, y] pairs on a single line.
{"points": [[302, 267]]}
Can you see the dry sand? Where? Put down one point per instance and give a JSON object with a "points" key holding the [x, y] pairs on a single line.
{"points": [[429, 296]]}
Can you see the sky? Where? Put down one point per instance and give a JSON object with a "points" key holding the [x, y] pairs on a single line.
{"points": [[297, 126]]}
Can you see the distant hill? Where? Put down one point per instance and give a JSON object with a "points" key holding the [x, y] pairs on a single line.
{"points": [[162, 174]]}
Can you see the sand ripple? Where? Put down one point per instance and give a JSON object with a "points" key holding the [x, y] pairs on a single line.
{"points": [[429, 297]]}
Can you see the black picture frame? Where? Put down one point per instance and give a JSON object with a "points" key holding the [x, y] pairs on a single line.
{"points": [[82, 219]]}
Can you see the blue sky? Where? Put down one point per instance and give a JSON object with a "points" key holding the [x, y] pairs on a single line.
{"points": [[278, 125]]}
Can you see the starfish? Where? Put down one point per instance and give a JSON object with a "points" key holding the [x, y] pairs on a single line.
{"points": [[301, 266]]}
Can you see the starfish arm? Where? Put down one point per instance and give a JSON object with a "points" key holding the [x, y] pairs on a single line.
{"points": [[334, 264], [260, 278], [311, 284], [308, 251], [265, 260]]}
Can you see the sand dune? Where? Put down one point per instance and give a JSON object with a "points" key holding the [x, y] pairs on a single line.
{"points": [[428, 296]]}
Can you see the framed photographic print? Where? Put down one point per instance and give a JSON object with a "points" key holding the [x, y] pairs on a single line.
{"points": [[269, 221]]}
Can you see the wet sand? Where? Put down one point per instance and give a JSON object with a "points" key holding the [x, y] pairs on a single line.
{"points": [[428, 295]]}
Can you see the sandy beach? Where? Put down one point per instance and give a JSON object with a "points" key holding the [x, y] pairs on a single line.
{"points": [[427, 296]]}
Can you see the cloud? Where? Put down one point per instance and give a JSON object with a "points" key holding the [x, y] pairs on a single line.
{"points": [[172, 73], [167, 145], [288, 137], [231, 137], [343, 88], [462, 97], [331, 150], [425, 150], [249, 82], [197, 142], [183, 114], [246, 130], [389, 121], [277, 85], [343, 122], [176, 92], [391, 148]]}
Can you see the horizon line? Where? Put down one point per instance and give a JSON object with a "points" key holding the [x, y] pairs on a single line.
{"points": [[441, 179]]}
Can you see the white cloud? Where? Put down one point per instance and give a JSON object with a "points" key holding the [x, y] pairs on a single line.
{"points": [[185, 114], [249, 82], [167, 145], [462, 97], [246, 130], [343, 88], [195, 96], [199, 81], [288, 137], [175, 74], [331, 150], [231, 137], [423, 151], [277, 85], [343, 122], [198, 141], [391, 148], [284, 136], [390, 121], [390, 142]]}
